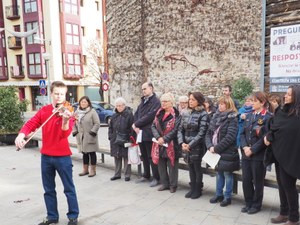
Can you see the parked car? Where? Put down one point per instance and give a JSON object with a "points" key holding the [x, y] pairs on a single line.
{"points": [[104, 110]]}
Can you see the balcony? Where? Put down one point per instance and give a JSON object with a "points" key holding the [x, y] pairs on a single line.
{"points": [[14, 42], [17, 72], [12, 12]]}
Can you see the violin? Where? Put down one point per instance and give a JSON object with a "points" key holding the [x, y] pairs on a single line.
{"points": [[64, 109]]}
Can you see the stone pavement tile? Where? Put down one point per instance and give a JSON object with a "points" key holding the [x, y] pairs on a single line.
{"points": [[259, 218], [189, 217], [218, 220]]}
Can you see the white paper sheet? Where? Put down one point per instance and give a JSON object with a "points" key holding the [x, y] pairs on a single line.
{"points": [[211, 159], [139, 137], [154, 140]]}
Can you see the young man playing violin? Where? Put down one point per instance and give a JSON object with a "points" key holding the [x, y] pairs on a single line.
{"points": [[55, 152]]}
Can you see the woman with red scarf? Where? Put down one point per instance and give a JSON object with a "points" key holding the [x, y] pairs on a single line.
{"points": [[165, 150]]}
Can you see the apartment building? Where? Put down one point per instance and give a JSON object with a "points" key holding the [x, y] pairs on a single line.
{"points": [[68, 46]]}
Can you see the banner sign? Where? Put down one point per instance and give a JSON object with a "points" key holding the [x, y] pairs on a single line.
{"points": [[284, 57]]}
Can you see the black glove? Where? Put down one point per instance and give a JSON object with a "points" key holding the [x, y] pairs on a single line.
{"points": [[75, 133], [93, 133]]}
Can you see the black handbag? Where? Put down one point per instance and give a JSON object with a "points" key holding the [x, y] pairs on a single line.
{"points": [[268, 157], [121, 139]]}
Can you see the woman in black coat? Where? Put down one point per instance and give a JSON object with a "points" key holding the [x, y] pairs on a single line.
{"points": [[120, 127], [221, 139], [191, 138], [253, 151], [164, 129], [284, 137]]}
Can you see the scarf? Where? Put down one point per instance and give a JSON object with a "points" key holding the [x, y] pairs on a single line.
{"points": [[218, 119], [155, 147], [81, 113]]}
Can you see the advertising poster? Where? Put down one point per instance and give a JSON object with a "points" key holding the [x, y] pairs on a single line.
{"points": [[284, 57]]}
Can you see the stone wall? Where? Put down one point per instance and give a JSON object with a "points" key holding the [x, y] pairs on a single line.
{"points": [[182, 45]]}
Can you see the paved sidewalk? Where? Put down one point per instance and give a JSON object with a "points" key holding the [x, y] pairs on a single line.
{"points": [[105, 202]]}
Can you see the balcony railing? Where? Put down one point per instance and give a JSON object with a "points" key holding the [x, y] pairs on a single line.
{"points": [[12, 12], [17, 71], [14, 43]]}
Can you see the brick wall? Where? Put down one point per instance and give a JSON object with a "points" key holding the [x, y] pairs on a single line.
{"points": [[182, 45]]}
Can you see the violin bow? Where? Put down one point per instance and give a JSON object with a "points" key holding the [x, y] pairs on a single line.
{"points": [[37, 130]]}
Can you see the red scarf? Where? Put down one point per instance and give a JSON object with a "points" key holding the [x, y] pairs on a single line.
{"points": [[170, 149]]}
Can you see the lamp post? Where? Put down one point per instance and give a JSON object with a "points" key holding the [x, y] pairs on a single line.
{"points": [[46, 57]]}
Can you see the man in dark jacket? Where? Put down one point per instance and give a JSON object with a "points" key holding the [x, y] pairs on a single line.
{"points": [[143, 119], [227, 91]]}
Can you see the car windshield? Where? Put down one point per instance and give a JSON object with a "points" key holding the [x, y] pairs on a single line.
{"points": [[107, 106]]}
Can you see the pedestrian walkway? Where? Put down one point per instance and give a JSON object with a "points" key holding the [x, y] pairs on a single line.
{"points": [[105, 202]]}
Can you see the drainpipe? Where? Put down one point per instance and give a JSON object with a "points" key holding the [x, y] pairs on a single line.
{"points": [[263, 43]]}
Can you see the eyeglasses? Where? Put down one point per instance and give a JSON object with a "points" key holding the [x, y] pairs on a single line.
{"points": [[184, 102]]}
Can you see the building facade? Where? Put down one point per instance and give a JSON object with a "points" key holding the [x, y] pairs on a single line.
{"points": [[59, 49]]}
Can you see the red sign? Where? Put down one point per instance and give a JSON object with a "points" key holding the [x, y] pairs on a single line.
{"points": [[105, 87]]}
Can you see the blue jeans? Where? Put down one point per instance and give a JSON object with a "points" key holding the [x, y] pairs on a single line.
{"points": [[223, 177], [63, 165]]}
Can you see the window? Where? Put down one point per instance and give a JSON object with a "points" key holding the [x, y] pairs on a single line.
{"points": [[3, 67], [34, 62], [30, 39], [72, 31], [84, 59], [17, 28], [71, 7], [73, 64], [30, 6], [3, 40], [98, 35], [83, 31]]}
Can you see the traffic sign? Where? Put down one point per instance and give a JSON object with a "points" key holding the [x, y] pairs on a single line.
{"points": [[104, 76], [105, 87], [42, 83], [43, 91]]}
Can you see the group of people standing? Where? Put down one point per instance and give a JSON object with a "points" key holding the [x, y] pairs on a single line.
{"points": [[196, 126], [169, 132]]}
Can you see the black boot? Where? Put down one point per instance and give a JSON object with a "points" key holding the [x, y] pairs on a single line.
{"points": [[198, 191], [192, 189]]}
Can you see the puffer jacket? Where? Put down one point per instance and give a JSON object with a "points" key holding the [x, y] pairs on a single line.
{"points": [[192, 130], [226, 140]]}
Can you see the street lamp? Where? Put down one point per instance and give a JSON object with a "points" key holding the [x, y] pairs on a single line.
{"points": [[46, 57]]}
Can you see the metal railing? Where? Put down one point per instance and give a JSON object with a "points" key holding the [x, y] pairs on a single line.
{"points": [[12, 12], [14, 42]]}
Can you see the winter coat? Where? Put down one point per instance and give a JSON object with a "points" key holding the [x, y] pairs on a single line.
{"points": [[86, 132], [226, 140], [144, 116], [192, 130], [171, 136], [284, 136], [252, 135], [122, 123]]}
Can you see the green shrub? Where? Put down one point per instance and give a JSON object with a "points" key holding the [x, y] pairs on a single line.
{"points": [[11, 110], [242, 88]]}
